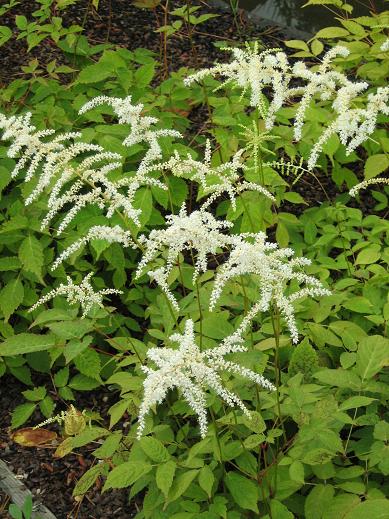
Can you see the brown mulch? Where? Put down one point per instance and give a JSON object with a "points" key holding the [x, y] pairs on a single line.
{"points": [[51, 480]]}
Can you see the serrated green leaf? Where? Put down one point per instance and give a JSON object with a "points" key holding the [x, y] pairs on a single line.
{"points": [[154, 449], [126, 474], [317, 500], [9, 263], [180, 484], [88, 363], [21, 414], [356, 401], [11, 296], [31, 255], [164, 476], [206, 479], [26, 343], [372, 355], [243, 491]]}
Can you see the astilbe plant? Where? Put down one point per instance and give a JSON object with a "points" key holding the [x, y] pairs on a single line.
{"points": [[76, 181]]}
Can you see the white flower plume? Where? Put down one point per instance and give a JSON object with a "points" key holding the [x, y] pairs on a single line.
{"points": [[366, 183], [141, 126], [198, 231], [214, 180], [274, 269], [82, 294], [98, 232], [192, 371], [260, 71], [254, 70]]}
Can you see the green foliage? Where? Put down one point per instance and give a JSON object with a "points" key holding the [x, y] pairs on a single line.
{"points": [[318, 447]]}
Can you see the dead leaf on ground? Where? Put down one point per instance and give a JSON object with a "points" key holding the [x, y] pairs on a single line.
{"points": [[29, 437]]}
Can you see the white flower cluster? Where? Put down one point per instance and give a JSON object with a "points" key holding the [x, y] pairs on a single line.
{"points": [[199, 231], [366, 183], [98, 232], [141, 126], [214, 180], [256, 71], [192, 371], [274, 269], [271, 68], [82, 294]]}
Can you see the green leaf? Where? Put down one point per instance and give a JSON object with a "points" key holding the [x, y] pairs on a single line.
{"points": [[180, 484], [381, 431], [206, 479], [317, 500], [144, 75], [356, 401], [71, 329], [164, 476], [296, 471], [371, 508], [31, 255], [9, 263], [5, 34], [109, 447], [375, 165], [27, 507], [21, 414], [126, 474], [61, 377], [36, 394], [11, 296], [372, 356], [87, 480], [279, 510], [88, 363], [81, 382], [47, 406], [332, 32], [338, 377], [297, 44], [95, 73], [26, 343], [368, 256], [243, 491], [154, 449]]}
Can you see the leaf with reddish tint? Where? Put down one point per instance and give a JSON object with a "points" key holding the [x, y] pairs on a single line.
{"points": [[29, 437]]}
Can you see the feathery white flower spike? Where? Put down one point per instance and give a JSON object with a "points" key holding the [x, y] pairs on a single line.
{"points": [[214, 180], [82, 294], [141, 126], [192, 371], [254, 70], [274, 268], [199, 231], [98, 232], [366, 183], [59, 170]]}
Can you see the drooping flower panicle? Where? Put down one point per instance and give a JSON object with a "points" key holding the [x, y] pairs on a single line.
{"points": [[274, 269]]}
